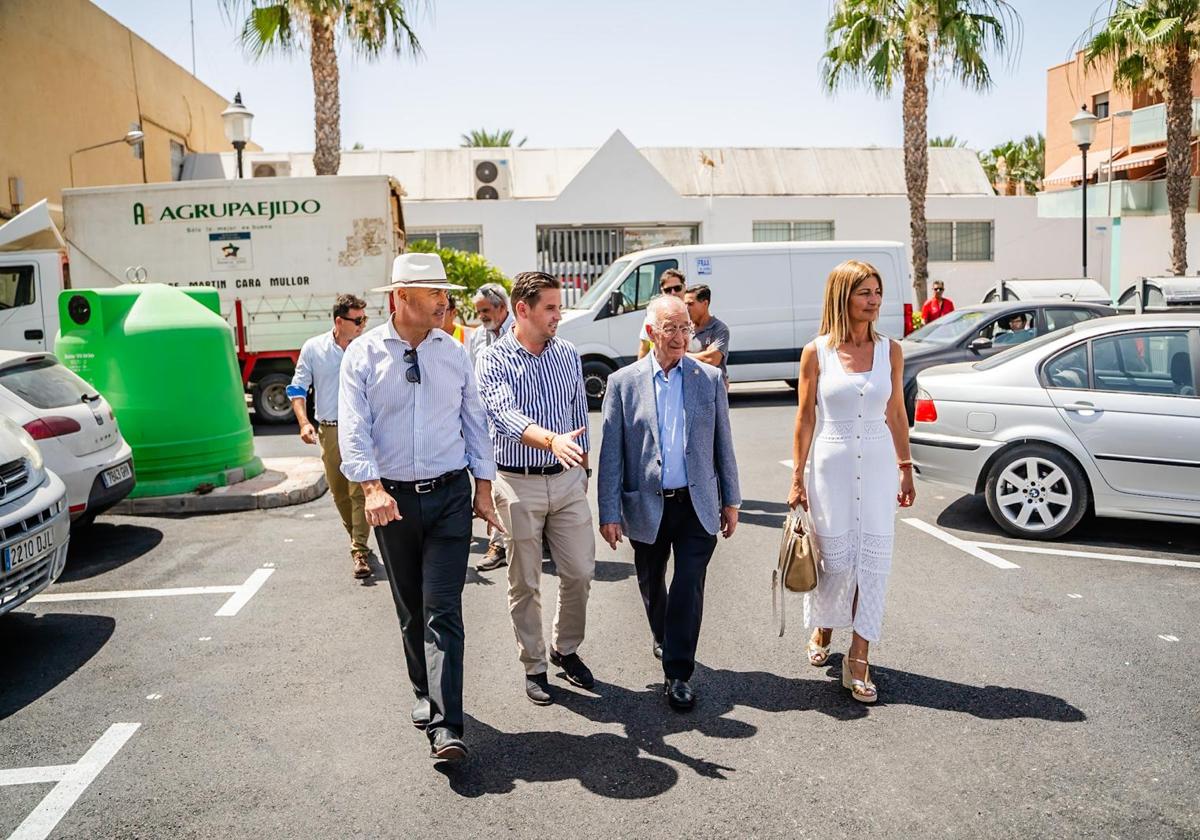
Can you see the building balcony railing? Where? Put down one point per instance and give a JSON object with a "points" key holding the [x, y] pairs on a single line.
{"points": [[1129, 198], [1148, 126]]}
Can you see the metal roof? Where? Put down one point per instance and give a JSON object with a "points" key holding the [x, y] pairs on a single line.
{"points": [[448, 174]]}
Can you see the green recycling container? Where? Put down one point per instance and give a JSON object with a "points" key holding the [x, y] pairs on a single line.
{"points": [[163, 358]]}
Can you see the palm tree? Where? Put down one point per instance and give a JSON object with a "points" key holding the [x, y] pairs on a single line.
{"points": [[369, 27], [878, 43], [1154, 44], [950, 141], [483, 137], [1016, 164]]}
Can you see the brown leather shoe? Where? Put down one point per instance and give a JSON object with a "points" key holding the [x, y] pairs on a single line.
{"points": [[362, 569], [495, 558]]}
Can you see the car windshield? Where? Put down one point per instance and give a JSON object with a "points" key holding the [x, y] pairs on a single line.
{"points": [[1022, 349], [949, 328], [44, 383], [597, 289]]}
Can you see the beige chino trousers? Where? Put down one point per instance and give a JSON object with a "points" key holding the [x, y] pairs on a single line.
{"points": [[347, 495], [556, 505]]}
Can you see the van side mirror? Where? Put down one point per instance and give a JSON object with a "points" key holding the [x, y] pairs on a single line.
{"points": [[615, 299], [979, 344]]}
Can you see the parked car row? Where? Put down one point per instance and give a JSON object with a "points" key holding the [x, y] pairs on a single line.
{"points": [[1100, 416]]}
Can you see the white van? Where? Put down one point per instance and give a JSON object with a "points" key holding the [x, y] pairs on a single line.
{"points": [[768, 294]]}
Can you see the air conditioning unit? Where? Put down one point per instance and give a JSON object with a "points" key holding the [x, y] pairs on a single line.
{"points": [[492, 179], [271, 169]]}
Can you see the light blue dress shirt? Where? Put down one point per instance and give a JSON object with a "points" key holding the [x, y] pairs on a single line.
{"points": [[407, 431], [318, 366], [672, 437]]}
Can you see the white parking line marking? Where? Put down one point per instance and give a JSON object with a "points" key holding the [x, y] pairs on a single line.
{"points": [[1092, 555], [134, 593], [309, 515], [34, 775], [973, 549], [1074, 595], [1167, 638], [245, 592], [73, 780], [789, 463], [206, 638], [153, 696]]}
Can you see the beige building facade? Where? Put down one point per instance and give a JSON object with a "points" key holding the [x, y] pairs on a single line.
{"points": [[74, 77]]}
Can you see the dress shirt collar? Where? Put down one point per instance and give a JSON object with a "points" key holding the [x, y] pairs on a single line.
{"points": [[657, 369], [390, 334], [504, 328], [511, 335]]}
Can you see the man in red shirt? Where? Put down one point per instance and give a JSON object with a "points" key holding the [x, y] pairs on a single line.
{"points": [[938, 304]]}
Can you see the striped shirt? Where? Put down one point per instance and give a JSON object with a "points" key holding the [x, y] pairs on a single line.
{"points": [[520, 389], [405, 431], [318, 367]]}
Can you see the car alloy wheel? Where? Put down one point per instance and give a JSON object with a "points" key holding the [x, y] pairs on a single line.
{"points": [[1036, 491]]}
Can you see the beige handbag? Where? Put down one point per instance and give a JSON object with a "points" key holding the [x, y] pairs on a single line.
{"points": [[796, 570]]}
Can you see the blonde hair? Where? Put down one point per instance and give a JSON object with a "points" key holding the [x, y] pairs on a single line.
{"points": [[835, 312]]}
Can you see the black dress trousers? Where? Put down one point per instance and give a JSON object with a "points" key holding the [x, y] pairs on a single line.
{"points": [[425, 554], [675, 613]]}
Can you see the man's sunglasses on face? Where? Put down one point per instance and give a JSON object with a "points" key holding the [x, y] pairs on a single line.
{"points": [[358, 322], [672, 290]]}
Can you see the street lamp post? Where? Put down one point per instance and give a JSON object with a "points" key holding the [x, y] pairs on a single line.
{"points": [[237, 119], [1083, 129], [131, 138]]}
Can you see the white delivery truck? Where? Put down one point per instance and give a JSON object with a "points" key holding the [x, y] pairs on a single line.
{"points": [[277, 250], [769, 294]]}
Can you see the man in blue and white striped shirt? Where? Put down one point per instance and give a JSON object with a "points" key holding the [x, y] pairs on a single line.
{"points": [[319, 367], [411, 426], [532, 386]]}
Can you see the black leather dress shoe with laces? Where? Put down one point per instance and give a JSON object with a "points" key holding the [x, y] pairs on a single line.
{"points": [[444, 745], [421, 713], [679, 695]]}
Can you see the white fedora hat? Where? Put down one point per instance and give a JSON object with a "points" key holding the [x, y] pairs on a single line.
{"points": [[418, 271]]}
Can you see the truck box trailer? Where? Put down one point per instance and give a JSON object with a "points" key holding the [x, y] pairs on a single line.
{"points": [[277, 250]]}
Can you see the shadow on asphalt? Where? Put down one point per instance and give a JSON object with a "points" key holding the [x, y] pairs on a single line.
{"points": [[105, 546], [633, 766], [53, 646], [970, 513], [767, 514]]}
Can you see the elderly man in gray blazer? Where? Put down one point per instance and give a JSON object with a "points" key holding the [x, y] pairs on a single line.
{"points": [[668, 481]]}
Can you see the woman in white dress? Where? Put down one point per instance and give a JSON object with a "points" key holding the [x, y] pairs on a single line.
{"points": [[852, 422]]}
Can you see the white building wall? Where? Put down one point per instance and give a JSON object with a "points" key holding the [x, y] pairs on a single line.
{"points": [[1025, 246]]}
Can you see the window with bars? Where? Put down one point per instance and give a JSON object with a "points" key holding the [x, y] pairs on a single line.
{"points": [[459, 239], [804, 231], [960, 241]]}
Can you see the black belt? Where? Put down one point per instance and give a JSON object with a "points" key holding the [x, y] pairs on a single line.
{"points": [[422, 487], [552, 469], [680, 493]]}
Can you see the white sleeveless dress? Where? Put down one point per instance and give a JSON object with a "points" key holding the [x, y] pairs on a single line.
{"points": [[852, 485]]}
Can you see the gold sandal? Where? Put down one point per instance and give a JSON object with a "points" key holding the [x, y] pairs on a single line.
{"points": [[818, 655], [861, 690]]}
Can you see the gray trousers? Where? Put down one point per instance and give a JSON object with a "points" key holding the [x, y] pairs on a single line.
{"points": [[425, 554]]}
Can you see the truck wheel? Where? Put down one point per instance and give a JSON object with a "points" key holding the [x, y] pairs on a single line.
{"points": [[595, 381], [1037, 492], [271, 403]]}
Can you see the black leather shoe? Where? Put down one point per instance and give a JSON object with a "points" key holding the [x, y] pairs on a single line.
{"points": [[656, 646], [446, 746], [537, 689], [679, 694], [421, 713], [577, 673]]}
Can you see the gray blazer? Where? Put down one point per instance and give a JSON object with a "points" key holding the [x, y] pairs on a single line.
{"points": [[629, 485]]}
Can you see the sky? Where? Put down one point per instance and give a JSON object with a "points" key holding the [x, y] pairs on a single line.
{"points": [[568, 73]]}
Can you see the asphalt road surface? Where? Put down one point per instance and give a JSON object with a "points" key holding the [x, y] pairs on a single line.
{"points": [[263, 693]]}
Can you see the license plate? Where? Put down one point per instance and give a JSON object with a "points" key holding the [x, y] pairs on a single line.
{"points": [[29, 548], [117, 474]]}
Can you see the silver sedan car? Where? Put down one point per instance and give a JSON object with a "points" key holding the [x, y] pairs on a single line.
{"points": [[1099, 417]]}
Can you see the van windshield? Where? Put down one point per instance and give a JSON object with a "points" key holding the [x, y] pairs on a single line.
{"points": [[598, 288]]}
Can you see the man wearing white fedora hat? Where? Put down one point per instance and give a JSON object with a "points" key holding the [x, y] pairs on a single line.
{"points": [[411, 426]]}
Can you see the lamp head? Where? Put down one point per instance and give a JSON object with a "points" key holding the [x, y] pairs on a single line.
{"points": [[237, 118], [1083, 127]]}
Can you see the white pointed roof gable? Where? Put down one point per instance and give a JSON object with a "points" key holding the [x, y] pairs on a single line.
{"points": [[618, 162]]}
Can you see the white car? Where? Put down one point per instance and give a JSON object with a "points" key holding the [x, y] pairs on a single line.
{"points": [[34, 524], [73, 425], [1102, 416]]}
